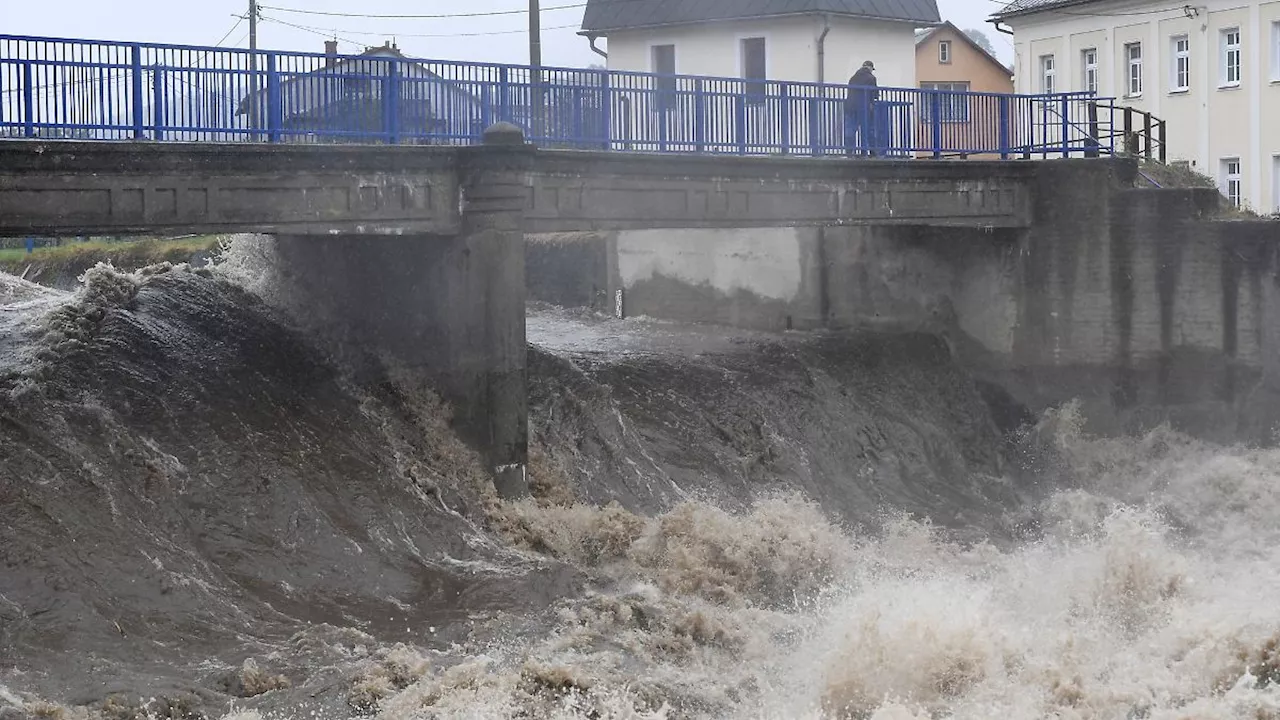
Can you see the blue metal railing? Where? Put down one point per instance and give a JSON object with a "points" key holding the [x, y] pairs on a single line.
{"points": [[89, 89]]}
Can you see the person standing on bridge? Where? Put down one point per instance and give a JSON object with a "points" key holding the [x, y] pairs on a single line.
{"points": [[859, 118]]}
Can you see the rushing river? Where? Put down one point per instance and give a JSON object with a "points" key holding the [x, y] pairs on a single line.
{"points": [[202, 516]]}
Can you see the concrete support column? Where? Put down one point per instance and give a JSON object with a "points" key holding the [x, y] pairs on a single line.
{"points": [[447, 310], [489, 349]]}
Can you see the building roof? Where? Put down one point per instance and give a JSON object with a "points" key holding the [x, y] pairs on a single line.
{"points": [[1026, 7], [926, 33], [603, 16]]}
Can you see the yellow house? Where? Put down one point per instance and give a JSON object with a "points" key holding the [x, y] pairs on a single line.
{"points": [[948, 60]]}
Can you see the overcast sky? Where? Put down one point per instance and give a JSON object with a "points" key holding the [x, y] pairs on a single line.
{"points": [[494, 38]]}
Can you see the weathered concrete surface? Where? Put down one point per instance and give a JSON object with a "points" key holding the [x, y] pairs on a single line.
{"points": [[64, 187], [444, 310], [577, 269], [1144, 304], [86, 188], [612, 191]]}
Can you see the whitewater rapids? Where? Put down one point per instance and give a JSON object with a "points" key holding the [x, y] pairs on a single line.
{"points": [[203, 517]]}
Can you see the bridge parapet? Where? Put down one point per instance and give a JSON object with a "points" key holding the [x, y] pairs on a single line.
{"points": [[83, 188], [574, 191]]}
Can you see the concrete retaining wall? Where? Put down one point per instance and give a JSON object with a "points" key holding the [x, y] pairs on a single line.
{"points": [[1145, 304]]}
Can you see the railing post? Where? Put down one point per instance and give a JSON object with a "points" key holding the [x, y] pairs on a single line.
{"points": [[1030, 139], [391, 103], [740, 122], [664, 103], [1004, 126], [784, 102], [1146, 131], [577, 121], [136, 99], [1164, 157], [700, 115], [157, 102], [504, 94], [275, 113], [815, 124], [1128, 131], [486, 111], [1092, 110], [1066, 127], [606, 108], [28, 100], [935, 122]]}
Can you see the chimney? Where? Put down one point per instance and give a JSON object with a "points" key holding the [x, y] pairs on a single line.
{"points": [[331, 48]]}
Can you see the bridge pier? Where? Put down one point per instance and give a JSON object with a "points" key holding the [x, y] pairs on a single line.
{"points": [[447, 308]]}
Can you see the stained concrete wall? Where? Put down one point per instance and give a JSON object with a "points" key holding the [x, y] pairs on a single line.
{"points": [[775, 278], [1145, 304], [446, 311]]}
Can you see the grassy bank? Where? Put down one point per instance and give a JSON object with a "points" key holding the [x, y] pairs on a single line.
{"points": [[46, 264]]}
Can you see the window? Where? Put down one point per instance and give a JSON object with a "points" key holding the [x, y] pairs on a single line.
{"points": [[1180, 79], [1231, 57], [953, 102], [944, 51], [1047, 74], [1133, 52], [1275, 51], [1089, 61], [753, 67], [1275, 184], [1231, 185], [663, 59]]}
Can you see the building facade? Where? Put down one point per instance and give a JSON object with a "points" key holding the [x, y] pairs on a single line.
{"points": [[1210, 69], [949, 60], [789, 40]]}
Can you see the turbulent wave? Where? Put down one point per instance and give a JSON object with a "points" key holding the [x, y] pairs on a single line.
{"points": [[203, 517]]}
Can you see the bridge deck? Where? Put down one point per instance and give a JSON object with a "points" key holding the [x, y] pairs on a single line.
{"points": [[117, 188]]}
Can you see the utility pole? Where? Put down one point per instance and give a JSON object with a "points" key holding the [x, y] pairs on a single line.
{"points": [[253, 66], [537, 99], [253, 25]]}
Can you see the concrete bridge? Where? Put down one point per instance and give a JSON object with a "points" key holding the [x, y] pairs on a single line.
{"points": [[418, 254]]}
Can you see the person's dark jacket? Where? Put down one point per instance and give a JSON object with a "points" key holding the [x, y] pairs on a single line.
{"points": [[862, 89]]}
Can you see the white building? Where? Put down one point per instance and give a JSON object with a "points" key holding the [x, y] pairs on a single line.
{"points": [[793, 40], [1209, 68]]}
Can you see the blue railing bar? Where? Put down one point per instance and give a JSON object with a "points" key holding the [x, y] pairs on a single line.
{"points": [[452, 102], [274, 111], [28, 101], [136, 98], [157, 103]]}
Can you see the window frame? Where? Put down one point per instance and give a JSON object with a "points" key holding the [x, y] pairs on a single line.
{"points": [[1089, 79], [1275, 51], [1229, 51], [1232, 182], [1134, 83], [1181, 64], [664, 87], [954, 107], [1048, 74], [755, 88], [1275, 183], [944, 52]]}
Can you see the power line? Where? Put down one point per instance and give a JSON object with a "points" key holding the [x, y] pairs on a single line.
{"points": [[372, 16], [334, 33], [228, 34]]}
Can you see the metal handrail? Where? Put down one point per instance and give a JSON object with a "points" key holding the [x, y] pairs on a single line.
{"points": [[54, 88]]}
